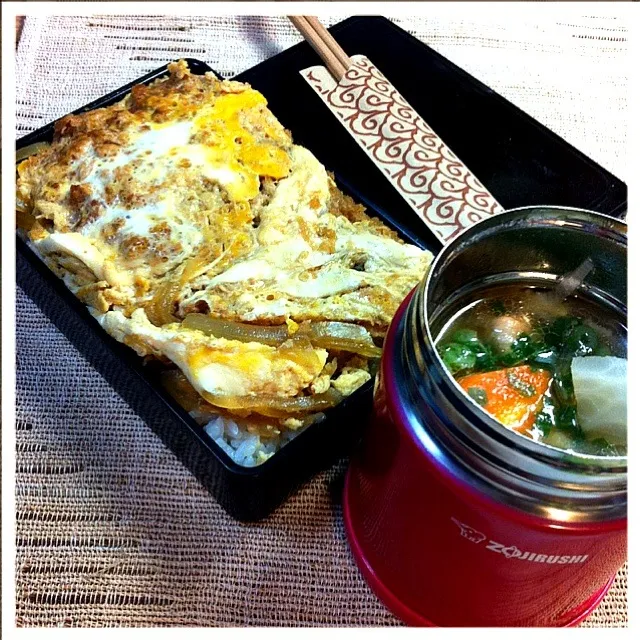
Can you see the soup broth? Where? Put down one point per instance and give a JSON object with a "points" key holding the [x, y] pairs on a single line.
{"points": [[552, 370]]}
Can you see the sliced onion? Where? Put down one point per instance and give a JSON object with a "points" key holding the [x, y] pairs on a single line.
{"points": [[276, 406], [272, 336], [210, 256], [180, 389], [30, 150], [339, 336], [160, 309], [302, 352]]}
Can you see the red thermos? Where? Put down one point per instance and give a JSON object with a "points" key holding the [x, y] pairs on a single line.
{"points": [[453, 519]]}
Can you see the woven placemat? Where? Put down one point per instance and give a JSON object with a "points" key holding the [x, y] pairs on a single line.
{"points": [[111, 529]]}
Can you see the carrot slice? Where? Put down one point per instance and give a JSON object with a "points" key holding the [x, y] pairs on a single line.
{"points": [[513, 396]]}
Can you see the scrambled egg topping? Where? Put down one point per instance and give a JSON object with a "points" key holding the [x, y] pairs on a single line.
{"points": [[218, 366], [190, 197]]}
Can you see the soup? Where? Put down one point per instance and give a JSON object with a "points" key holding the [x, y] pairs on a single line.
{"points": [[552, 370]]}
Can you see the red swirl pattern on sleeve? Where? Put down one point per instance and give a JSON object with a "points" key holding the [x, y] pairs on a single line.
{"points": [[428, 175]]}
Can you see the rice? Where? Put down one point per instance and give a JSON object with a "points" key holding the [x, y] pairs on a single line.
{"points": [[244, 448]]}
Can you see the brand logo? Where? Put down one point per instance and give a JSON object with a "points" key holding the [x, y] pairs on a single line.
{"points": [[511, 551], [469, 532]]}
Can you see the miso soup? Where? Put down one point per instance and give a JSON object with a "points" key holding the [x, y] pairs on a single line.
{"points": [[552, 370]]}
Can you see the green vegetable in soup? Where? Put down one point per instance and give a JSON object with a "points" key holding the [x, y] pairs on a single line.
{"points": [[572, 335], [543, 423], [458, 357], [566, 420], [478, 342], [466, 352], [478, 394]]}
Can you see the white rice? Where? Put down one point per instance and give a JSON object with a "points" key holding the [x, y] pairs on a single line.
{"points": [[244, 448]]}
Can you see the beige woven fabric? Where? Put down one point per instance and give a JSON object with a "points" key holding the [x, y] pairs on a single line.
{"points": [[111, 529]]}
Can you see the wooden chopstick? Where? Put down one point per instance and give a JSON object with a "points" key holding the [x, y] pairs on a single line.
{"points": [[329, 40], [332, 54]]}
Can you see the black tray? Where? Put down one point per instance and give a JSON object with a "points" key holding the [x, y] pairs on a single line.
{"points": [[520, 161]]}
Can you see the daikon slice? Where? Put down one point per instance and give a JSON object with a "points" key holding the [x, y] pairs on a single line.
{"points": [[600, 386]]}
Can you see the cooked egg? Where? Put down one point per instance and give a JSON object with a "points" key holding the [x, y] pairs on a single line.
{"points": [[218, 366], [189, 196]]}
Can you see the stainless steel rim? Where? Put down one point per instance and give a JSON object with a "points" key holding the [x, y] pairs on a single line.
{"points": [[536, 478]]}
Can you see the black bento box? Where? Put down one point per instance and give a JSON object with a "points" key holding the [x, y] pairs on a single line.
{"points": [[520, 161]]}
